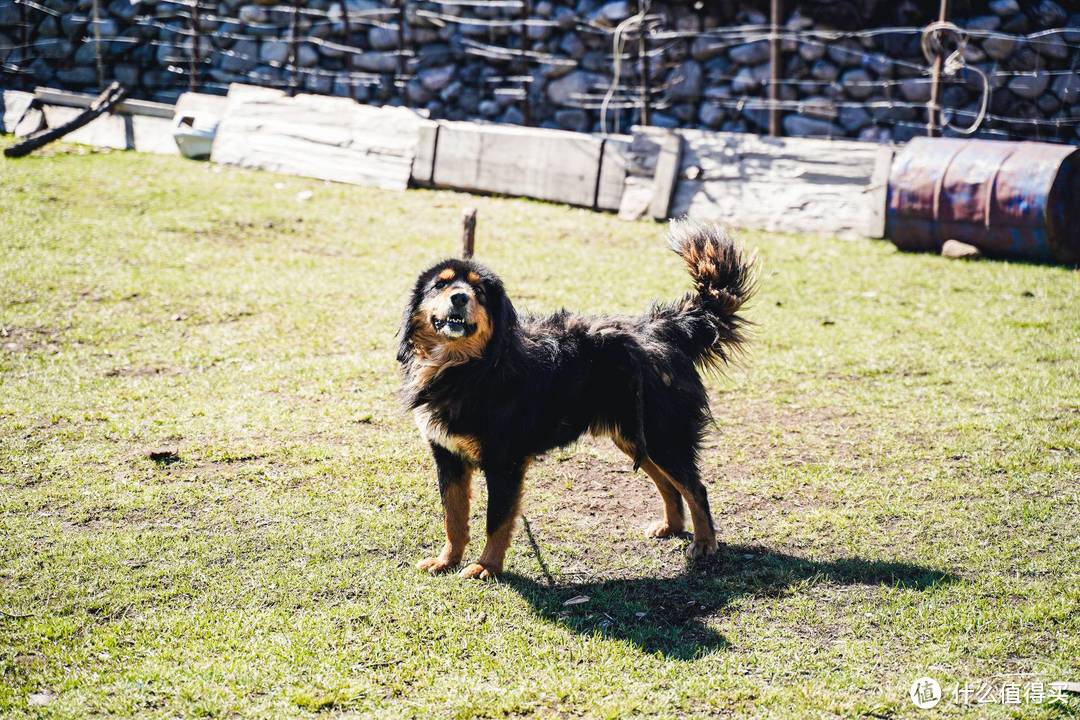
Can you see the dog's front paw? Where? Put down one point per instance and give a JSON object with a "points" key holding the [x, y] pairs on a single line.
{"points": [[436, 565], [701, 549], [662, 529], [476, 570]]}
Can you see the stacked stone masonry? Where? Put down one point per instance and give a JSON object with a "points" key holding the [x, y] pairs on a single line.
{"points": [[550, 63]]}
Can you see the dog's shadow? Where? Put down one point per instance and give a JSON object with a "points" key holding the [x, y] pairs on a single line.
{"points": [[667, 615]]}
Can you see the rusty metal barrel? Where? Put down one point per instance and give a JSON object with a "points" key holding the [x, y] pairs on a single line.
{"points": [[1009, 199]]}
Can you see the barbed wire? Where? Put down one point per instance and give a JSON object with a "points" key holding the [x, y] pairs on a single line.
{"points": [[618, 95]]}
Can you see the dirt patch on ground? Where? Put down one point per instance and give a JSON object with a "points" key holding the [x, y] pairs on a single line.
{"points": [[19, 340], [593, 487]]}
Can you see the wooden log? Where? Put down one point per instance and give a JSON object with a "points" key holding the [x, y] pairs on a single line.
{"points": [[551, 165], [102, 104], [423, 167], [64, 98], [121, 131], [613, 170], [330, 138], [666, 176], [787, 184]]}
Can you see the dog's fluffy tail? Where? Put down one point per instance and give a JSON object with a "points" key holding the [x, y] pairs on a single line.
{"points": [[706, 325]]}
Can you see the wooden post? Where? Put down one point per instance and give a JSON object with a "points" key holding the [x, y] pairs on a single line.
{"points": [[933, 119], [468, 232], [346, 30], [401, 40], [97, 45], [294, 42], [774, 69], [526, 106], [193, 76], [643, 61]]}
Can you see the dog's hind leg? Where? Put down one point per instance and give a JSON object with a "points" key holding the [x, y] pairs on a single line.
{"points": [[685, 479], [674, 520], [504, 499], [455, 487]]}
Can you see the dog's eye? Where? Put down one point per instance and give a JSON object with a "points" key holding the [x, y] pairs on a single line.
{"points": [[440, 284]]}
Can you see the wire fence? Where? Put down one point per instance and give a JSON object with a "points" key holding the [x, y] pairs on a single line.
{"points": [[541, 62]]}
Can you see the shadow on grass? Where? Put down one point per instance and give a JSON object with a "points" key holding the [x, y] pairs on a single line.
{"points": [[667, 615]]}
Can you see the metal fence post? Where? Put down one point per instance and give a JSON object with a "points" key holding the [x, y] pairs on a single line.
{"points": [[774, 68], [933, 117], [294, 42], [526, 104], [196, 60], [643, 61]]}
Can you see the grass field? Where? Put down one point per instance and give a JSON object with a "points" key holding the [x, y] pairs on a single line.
{"points": [[211, 501]]}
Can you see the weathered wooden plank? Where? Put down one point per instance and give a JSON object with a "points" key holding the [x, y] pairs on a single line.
{"points": [[788, 184], [423, 168], [636, 198], [545, 164], [13, 103], [877, 193], [65, 98], [330, 138], [121, 131], [666, 176], [613, 166]]}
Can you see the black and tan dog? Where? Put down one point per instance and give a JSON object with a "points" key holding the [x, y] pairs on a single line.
{"points": [[492, 390]]}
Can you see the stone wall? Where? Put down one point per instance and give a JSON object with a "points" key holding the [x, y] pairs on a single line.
{"points": [[550, 62]]}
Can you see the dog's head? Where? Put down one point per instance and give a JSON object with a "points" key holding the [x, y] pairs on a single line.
{"points": [[458, 312]]}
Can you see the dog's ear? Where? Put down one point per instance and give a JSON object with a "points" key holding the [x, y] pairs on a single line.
{"points": [[504, 319], [405, 347]]}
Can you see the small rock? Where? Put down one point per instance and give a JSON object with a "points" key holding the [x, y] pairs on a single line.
{"points": [[711, 115], [572, 46], [563, 90], [250, 14], [799, 126], [1051, 46], [704, 48], [752, 53], [274, 51], [306, 55], [574, 119], [304, 195], [376, 62], [989, 23], [957, 250], [383, 38], [436, 78], [858, 83], [915, 90], [40, 699], [1030, 86], [1067, 88], [853, 119], [685, 81], [811, 51], [998, 47], [1048, 14], [1004, 7], [825, 71]]}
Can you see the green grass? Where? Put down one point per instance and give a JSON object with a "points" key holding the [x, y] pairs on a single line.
{"points": [[894, 471]]}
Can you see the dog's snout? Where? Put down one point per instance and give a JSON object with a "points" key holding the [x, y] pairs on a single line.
{"points": [[459, 300]]}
